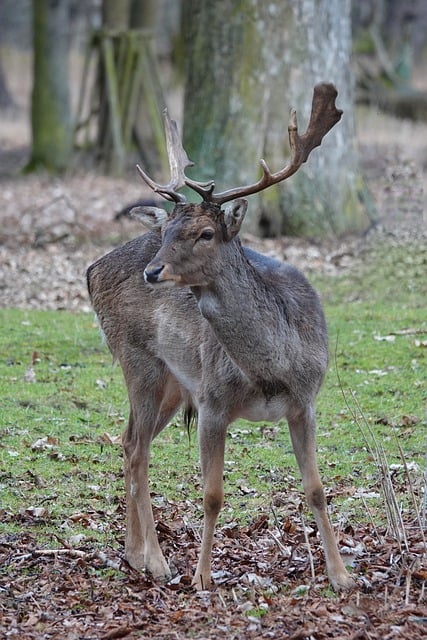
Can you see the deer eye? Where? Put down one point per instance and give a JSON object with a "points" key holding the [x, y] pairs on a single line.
{"points": [[206, 234]]}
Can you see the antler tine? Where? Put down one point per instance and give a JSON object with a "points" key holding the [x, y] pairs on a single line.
{"points": [[324, 115], [204, 189], [178, 162]]}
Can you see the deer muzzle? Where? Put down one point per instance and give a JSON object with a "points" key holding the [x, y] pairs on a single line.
{"points": [[160, 275], [152, 274]]}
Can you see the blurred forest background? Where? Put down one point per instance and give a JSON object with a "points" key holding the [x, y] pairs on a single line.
{"points": [[83, 84]]}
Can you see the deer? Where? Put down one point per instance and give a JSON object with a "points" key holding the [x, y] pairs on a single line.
{"points": [[199, 322]]}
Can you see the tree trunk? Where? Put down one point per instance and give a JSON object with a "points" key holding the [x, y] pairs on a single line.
{"points": [[6, 99], [142, 14], [115, 14], [50, 107], [247, 64]]}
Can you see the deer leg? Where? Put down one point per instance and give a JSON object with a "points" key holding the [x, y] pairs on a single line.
{"points": [[147, 418], [302, 429], [134, 541], [142, 547], [212, 446]]}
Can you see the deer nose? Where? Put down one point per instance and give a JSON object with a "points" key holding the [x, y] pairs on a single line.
{"points": [[151, 274]]}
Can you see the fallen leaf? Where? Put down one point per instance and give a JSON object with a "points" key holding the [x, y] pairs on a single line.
{"points": [[37, 512], [109, 439], [48, 442], [30, 375]]}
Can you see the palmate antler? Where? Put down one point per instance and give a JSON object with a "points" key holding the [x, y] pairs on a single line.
{"points": [[324, 115]]}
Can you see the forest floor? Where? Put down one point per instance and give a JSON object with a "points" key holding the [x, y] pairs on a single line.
{"points": [[51, 230]]}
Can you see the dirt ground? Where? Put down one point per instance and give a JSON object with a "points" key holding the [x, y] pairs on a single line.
{"points": [[51, 230]]}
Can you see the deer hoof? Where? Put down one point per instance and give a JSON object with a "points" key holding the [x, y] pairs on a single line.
{"points": [[201, 583], [135, 559], [342, 582], [159, 569]]}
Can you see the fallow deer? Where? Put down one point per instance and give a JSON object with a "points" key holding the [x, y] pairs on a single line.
{"points": [[197, 320]]}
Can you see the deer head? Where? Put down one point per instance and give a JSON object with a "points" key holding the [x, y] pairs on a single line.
{"points": [[193, 233]]}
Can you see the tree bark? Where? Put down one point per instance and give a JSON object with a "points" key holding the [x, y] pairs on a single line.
{"points": [[115, 14], [6, 99], [50, 106], [142, 14], [247, 64]]}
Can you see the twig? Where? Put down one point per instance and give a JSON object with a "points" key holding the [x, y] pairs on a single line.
{"points": [[72, 553], [77, 553], [310, 555], [191, 526], [421, 596], [282, 547], [276, 521], [408, 586], [380, 538], [425, 494]]}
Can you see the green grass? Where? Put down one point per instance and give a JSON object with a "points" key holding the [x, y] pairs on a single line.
{"points": [[64, 403]]}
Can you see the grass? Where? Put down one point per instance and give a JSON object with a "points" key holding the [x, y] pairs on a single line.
{"points": [[64, 406]]}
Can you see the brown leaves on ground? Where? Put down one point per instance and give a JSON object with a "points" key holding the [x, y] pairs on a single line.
{"points": [[263, 586]]}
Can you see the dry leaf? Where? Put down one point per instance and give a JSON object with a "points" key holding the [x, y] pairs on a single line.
{"points": [[48, 442], [30, 375], [37, 512], [109, 439]]}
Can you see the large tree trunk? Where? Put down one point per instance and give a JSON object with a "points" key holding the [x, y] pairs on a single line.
{"points": [[247, 64], [50, 110]]}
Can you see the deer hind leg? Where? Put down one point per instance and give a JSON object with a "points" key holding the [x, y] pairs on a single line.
{"points": [[150, 411], [302, 429], [212, 434]]}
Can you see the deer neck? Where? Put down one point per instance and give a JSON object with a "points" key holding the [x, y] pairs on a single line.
{"points": [[231, 277], [247, 319]]}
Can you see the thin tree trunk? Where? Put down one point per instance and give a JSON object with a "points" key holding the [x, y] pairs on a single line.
{"points": [[50, 106], [6, 99], [115, 14]]}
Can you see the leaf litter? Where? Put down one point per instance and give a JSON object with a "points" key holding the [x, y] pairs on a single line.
{"points": [[269, 583]]}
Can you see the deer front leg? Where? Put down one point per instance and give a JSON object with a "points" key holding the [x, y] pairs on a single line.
{"points": [[212, 446], [142, 549], [302, 428]]}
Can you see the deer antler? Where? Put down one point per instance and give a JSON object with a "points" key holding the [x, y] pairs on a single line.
{"points": [[178, 162], [324, 115]]}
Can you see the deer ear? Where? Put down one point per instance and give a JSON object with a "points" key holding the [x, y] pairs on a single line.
{"points": [[151, 217], [234, 215]]}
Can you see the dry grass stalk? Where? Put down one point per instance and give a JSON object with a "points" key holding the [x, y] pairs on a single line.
{"points": [[394, 516], [414, 498]]}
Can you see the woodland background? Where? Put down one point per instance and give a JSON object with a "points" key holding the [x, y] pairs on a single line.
{"points": [[63, 406]]}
